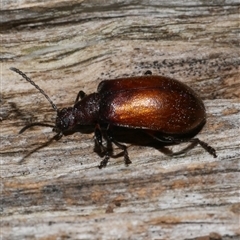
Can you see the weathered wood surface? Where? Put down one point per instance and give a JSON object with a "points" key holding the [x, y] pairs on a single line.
{"points": [[57, 192]]}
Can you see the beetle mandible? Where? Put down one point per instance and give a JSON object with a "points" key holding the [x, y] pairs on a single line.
{"points": [[163, 108]]}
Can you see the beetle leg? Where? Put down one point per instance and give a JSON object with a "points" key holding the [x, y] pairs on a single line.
{"points": [[169, 152], [170, 140], [121, 146], [98, 138], [205, 146], [104, 162], [80, 95], [161, 138], [193, 141], [148, 72], [58, 136]]}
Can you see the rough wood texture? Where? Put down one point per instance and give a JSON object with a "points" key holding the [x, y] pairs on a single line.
{"points": [[57, 192]]}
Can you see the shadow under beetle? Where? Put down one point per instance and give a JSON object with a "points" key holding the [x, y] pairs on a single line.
{"points": [[165, 109]]}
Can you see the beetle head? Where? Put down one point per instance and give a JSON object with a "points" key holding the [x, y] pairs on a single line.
{"points": [[65, 120]]}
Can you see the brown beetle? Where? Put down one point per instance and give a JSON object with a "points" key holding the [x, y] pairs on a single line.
{"points": [[163, 108]]}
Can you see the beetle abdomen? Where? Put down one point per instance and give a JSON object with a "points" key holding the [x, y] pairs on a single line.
{"points": [[151, 102]]}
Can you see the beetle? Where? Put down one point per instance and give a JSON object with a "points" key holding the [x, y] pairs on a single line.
{"points": [[163, 108]]}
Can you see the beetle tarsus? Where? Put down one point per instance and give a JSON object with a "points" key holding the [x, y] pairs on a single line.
{"points": [[104, 162], [208, 148], [127, 160]]}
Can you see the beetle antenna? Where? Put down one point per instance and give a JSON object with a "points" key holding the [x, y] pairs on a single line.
{"points": [[35, 124], [35, 85]]}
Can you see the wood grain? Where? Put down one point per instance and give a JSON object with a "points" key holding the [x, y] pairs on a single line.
{"points": [[57, 191]]}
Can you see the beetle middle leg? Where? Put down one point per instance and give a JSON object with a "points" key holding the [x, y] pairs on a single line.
{"points": [[121, 146]]}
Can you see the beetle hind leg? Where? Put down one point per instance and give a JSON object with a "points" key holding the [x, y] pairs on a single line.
{"points": [[193, 142], [205, 146], [170, 153]]}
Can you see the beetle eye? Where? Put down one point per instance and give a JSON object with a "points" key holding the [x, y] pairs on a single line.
{"points": [[65, 122], [63, 119]]}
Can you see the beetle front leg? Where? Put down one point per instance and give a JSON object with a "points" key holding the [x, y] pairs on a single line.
{"points": [[121, 146], [98, 138]]}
